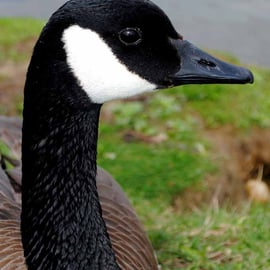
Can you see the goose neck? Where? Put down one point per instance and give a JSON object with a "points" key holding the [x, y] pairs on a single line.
{"points": [[61, 222]]}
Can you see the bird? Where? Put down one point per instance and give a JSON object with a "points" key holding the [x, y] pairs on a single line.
{"points": [[121, 220], [90, 52]]}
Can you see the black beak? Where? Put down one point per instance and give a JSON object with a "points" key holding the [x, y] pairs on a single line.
{"points": [[198, 67]]}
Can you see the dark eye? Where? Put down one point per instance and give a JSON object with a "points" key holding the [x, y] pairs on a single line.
{"points": [[130, 36]]}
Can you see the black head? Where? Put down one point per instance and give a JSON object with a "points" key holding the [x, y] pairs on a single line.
{"points": [[137, 31], [119, 48]]}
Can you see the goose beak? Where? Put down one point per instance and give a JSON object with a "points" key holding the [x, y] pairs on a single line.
{"points": [[198, 67]]}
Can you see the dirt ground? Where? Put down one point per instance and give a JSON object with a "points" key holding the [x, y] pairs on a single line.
{"points": [[239, 155], [12, 77]]}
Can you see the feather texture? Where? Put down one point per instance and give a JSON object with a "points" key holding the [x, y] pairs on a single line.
{"points": [[130, 243]]}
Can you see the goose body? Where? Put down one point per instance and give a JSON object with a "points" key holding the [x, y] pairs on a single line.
{"points": [[74, 215], [125, 230]]}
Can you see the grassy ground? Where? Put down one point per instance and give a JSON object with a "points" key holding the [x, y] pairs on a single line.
{"points": [[14, 35], [158, 146]]}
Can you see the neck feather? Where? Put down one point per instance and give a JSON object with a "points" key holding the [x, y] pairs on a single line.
{"points": [[62, 226]]}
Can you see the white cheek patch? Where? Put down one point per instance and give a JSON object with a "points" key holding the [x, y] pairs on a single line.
{"points": [[97, 69]]}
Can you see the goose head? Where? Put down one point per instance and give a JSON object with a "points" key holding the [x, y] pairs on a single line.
{"points": [[120, 48]]}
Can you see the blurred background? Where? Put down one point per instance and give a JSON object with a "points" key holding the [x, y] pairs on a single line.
{"points": [[194, 161], [237, 26]]}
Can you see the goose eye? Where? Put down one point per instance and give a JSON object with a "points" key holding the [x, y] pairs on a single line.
{"points": [[130, 36]]}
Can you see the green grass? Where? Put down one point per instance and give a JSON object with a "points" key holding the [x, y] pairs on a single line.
{"points": [[146, 171], [210, 240], [242, 106], [4, 149], [154, 175], [14, 34]]}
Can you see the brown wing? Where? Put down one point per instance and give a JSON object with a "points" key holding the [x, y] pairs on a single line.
{"points": [[132, 248], [11, 253], [131, 245]]}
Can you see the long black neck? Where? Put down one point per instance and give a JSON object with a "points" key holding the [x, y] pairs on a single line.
{"points": [[61, 222]]}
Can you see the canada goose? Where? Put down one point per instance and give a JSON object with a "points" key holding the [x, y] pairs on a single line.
{"points": [[121, 220], [90, 52]]}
